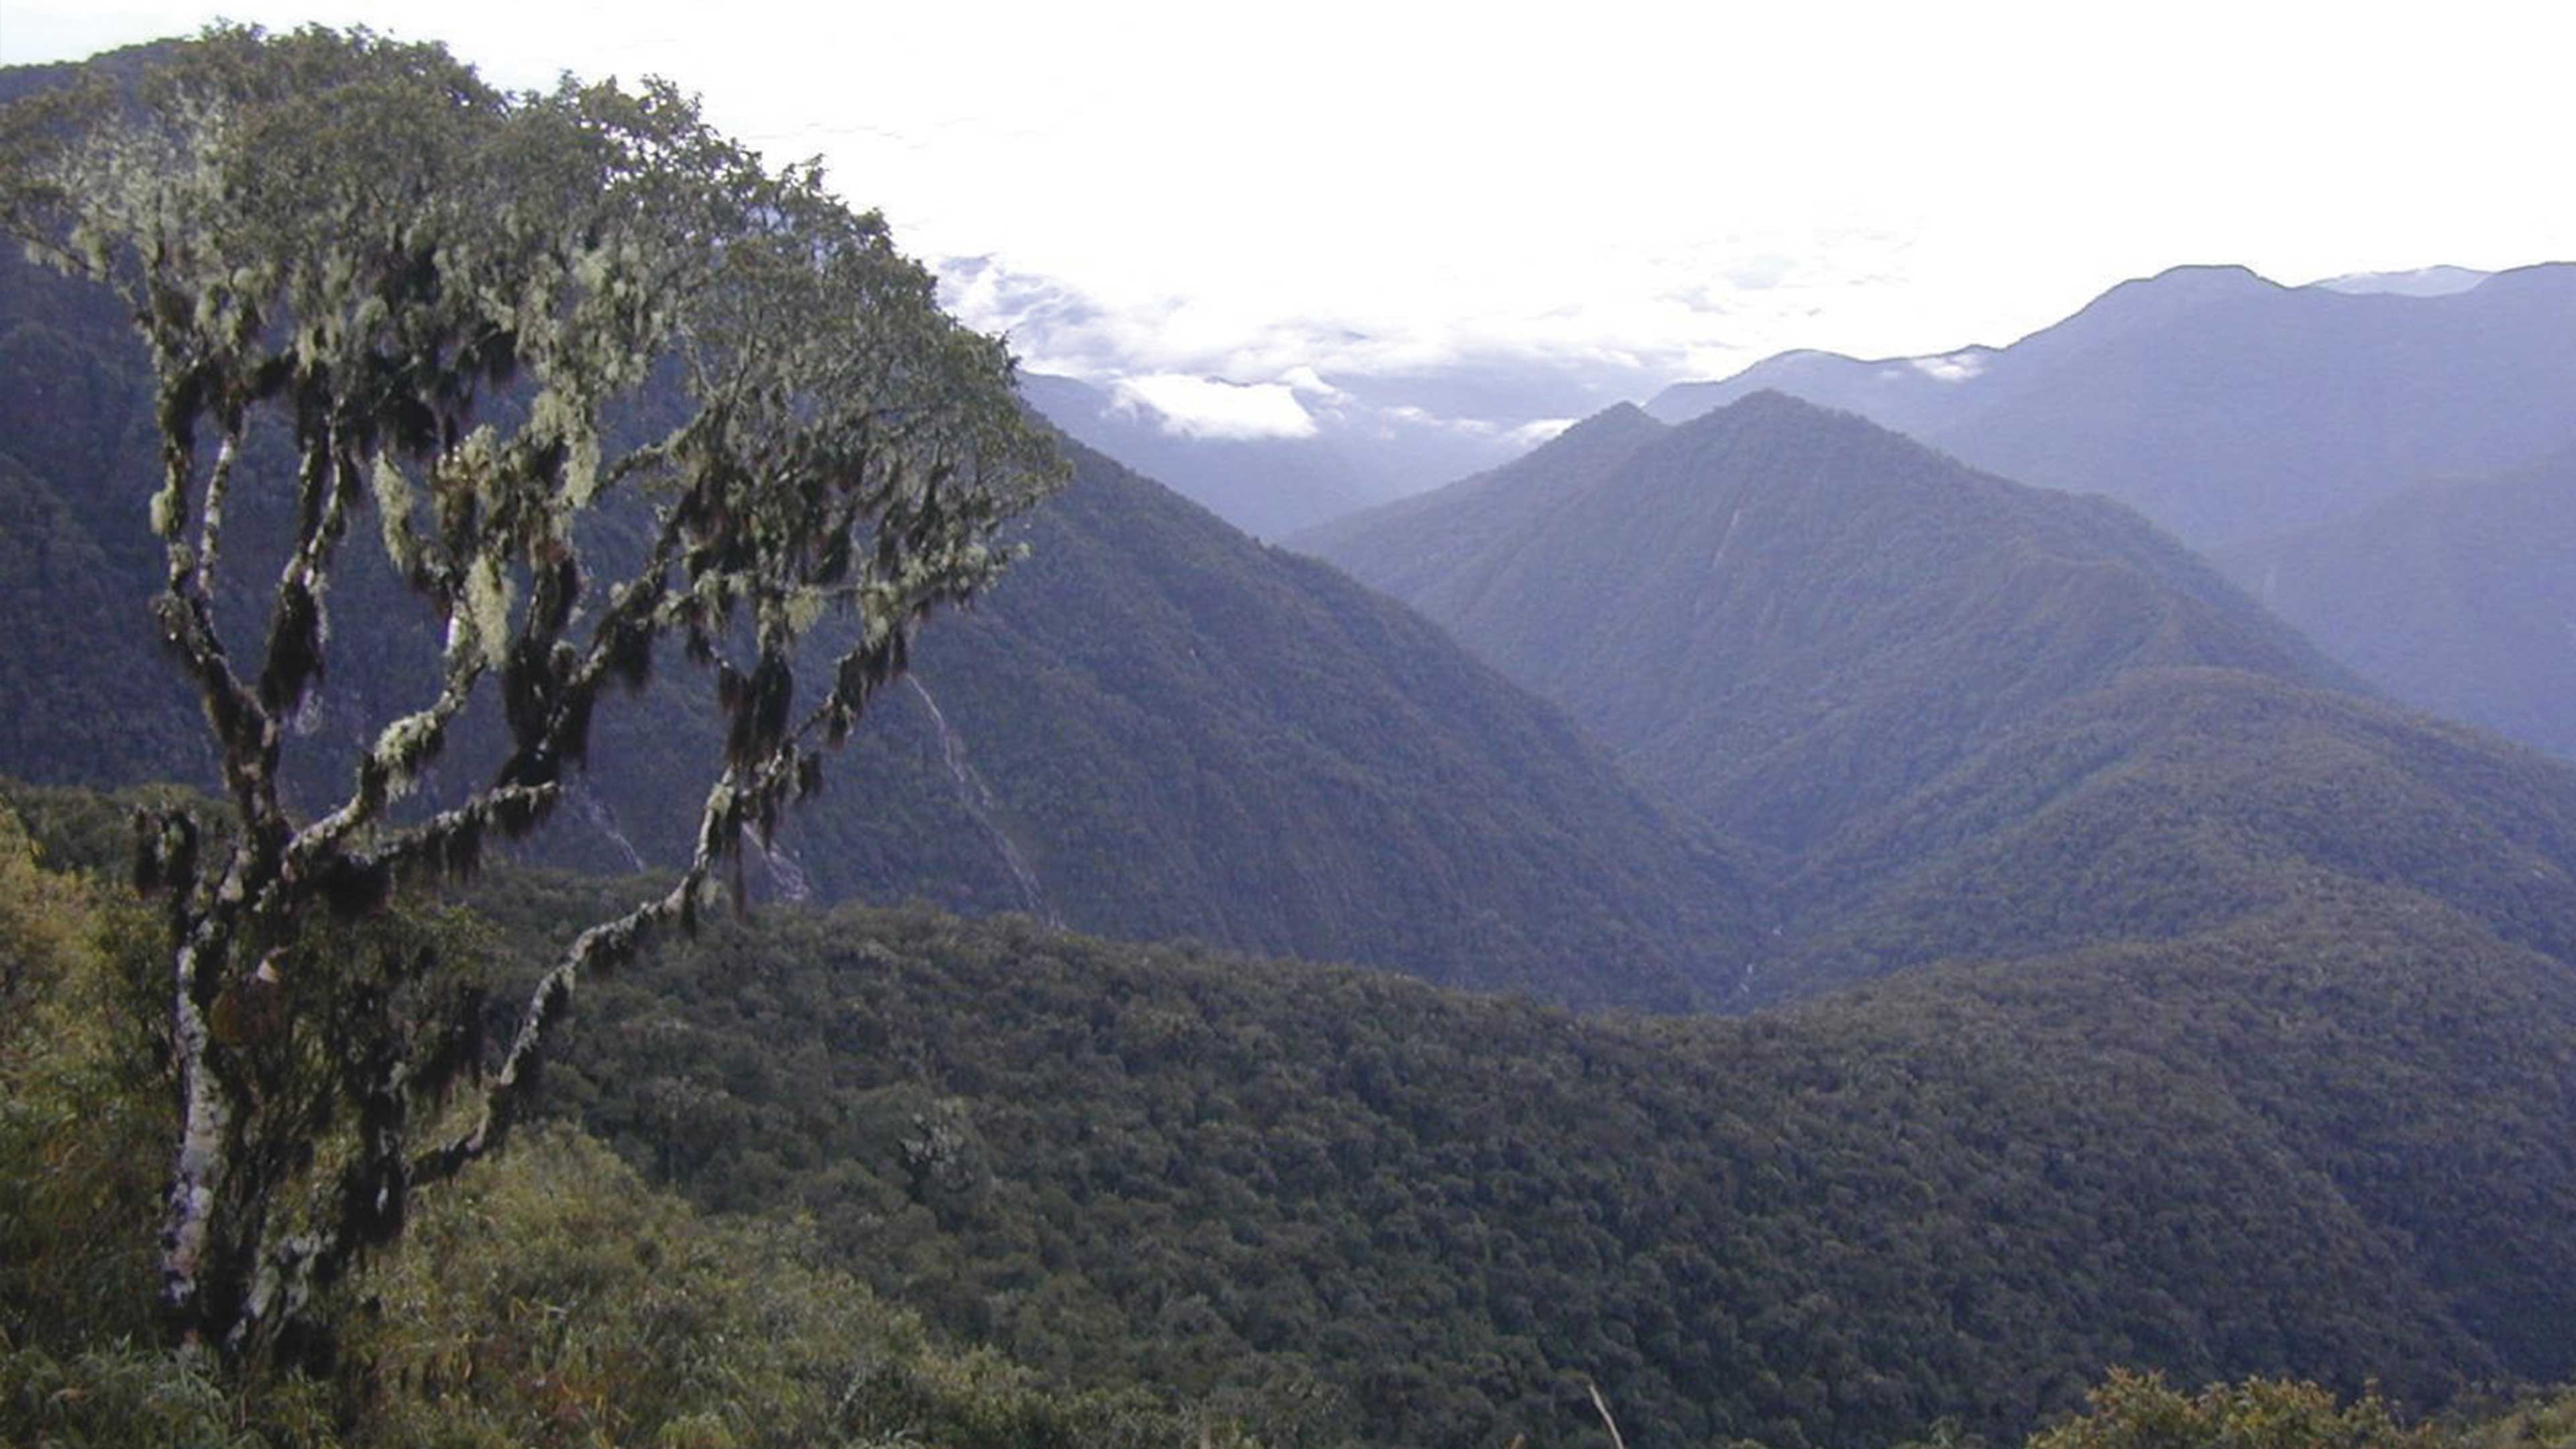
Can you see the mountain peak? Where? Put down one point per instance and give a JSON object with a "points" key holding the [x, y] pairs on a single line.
{"points": [[2158, 300], [1770, 403], [1619, 415], [1616, 428], [1772, 414], [2215, 276]]}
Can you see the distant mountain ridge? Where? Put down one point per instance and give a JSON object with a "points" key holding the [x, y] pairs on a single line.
{"points": [[2226, 407], [1427, 564]]}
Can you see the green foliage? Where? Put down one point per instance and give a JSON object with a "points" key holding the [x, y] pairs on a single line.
{"points": [[118, 1395], [2537, 1421], [2140, 1411], [549, 1298], [2321, 1142], [556, 1300], [1335, 1207], [81, 1119]]}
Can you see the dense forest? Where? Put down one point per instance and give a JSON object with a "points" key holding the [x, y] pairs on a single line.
{"points": [[1163, 1189]]}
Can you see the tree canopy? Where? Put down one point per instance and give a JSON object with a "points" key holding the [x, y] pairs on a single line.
{"points": [[603, 379]]}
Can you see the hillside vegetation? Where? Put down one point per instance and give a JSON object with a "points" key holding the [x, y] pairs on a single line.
{"points": [[2176, 800], [1178, 1197], [2329, 1140]]}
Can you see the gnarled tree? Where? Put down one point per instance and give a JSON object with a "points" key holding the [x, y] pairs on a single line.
{"points": [[486, 319]]}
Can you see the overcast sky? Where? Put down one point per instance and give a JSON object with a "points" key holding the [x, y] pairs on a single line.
{"points": [[1647, 192]]}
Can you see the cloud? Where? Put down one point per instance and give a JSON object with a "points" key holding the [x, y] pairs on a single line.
{"points": [[1670, 313], [1957, 367], [1204, 407], [1431, 215], [1412, 416], [1531, 434], [1320, 349], [1307, 382], [1760, 272]]}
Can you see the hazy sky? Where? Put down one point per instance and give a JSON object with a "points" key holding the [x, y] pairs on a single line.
{"points": [[1621, 191]]}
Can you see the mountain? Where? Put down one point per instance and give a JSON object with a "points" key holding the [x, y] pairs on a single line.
{"points": [[1967, 718], [1155, 726], [2224, 407], [2334, 1139], [1787, 618], [2457, 597]]}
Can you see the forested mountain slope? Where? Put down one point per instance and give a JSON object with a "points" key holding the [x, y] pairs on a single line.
{"points": [[2174, 801], [2333, 1139], [2225, 407], [1154, 727], [2457, 597], [1970, 718], [1307, 766], [1788, 617]]}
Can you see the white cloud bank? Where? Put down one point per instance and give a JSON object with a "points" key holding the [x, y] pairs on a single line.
{"points": [[1957, 367], [1204, 407], [1370, 190], [1531, 434]]}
